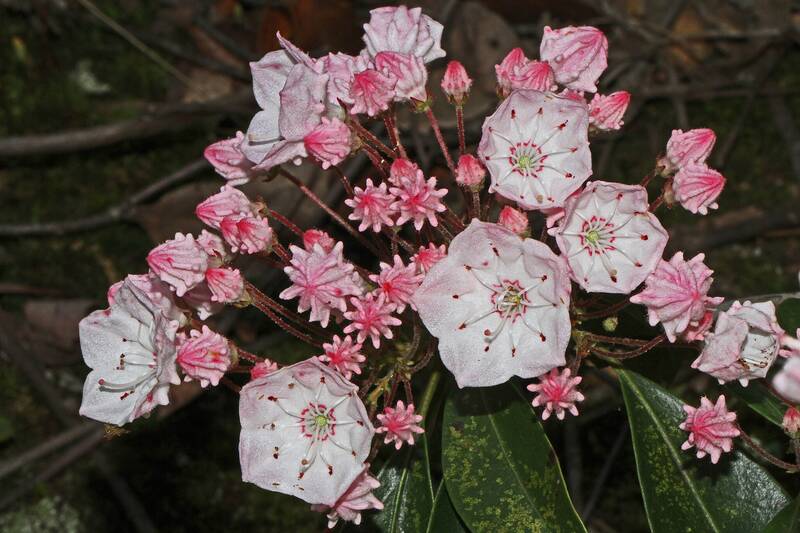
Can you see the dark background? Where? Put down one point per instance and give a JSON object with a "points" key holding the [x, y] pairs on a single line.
{"points": [[90, 118]]}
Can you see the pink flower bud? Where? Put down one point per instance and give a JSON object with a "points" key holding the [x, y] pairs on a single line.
{"points": [[605, 112], [315, 236], [536, 76], [226, 284], [229, 201], [228, 160], [246, 234], [578, 55], [697, 187], [470, 172], [204, 356], [329, 142], [711, 428], [456, 83], [402, 172], [515, 220], [507, 70], [212, 244], [180, 262], [371, 92], [684, 148], [263, 368], [791, 421], [410, 72]]}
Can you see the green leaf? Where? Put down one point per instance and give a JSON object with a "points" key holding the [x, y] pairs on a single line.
{"points": [[789, 315], [759, 399], [501, 472], [443, 517], [406, 490], [786, 521], [682, 493]]}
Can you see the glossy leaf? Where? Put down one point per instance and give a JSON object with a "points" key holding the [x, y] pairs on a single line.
{"points": [[759, 399], [443, 518], [406, 490], [789, 315], [786, 521], [501, 472], [681, 492]]}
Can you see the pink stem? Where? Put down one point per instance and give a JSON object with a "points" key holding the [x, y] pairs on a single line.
{"points": [[440, 139]]}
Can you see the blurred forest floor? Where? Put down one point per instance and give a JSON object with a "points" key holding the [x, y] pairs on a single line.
{"points": [[731, 65]]}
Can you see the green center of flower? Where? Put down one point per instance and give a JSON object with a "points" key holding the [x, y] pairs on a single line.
{"points": [[593, 236], [525, 162], [321, 421]]}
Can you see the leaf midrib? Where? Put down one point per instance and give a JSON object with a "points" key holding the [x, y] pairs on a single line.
{"points": [[673, 453]]}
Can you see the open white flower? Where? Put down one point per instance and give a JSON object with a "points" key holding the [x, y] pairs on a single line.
{"points": [[305, 432], [536, 148], [130, 348], [499, 306], [610, 239]]}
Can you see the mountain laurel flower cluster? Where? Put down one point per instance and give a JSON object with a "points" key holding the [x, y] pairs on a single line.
{"points": [[495, 280]]}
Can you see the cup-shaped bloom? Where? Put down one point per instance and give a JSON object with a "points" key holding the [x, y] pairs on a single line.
{"points": [[697, 187], [408, 70], [304, 432], [578, 55], [610, 239], [329, 142], [404, 30], [371, 92], [499, 306], [536, 149], [745, 342], [676, 294], [711, 428], [130, 348], [229, 161], [357, 498]]}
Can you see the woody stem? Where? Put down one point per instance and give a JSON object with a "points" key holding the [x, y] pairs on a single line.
{"points": [[394, 134], [460, 122], [440, 139], [764, 454]]}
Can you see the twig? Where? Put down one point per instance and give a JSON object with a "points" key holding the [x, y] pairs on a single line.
{"points": [[50, 445], [764, 454], [112, 215]]}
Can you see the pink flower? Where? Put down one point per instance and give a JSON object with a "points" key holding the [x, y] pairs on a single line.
{"points": [[371, 92], [787, 380], [508, 69], [130, 348], [536, 149], [343, 355], [159, 296], [305, 432], [211, 244], [428, 256], [226, 284], [605, 112], [247, 234], [517, 72], [558, 392], [228, 202], [697, 187], [711, 428], [692, 146], [515, 220], [200, 300], [408, 70], [791, 421], [578, 55], [418, 200], [263, 368], [204, 356], [180, 262], [744, 344], [404, 30], [697, 332], [676, 294], [322, 280], [112, 292], [790, 344], [372, 206], [470, 173], [402, 172], [398, 282], [456, 83], [357, 498], [499, 306], [340, 69], [371, 317], [611, 240], [315, 236], [399, 423], [228, 160], [329, 142]]}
